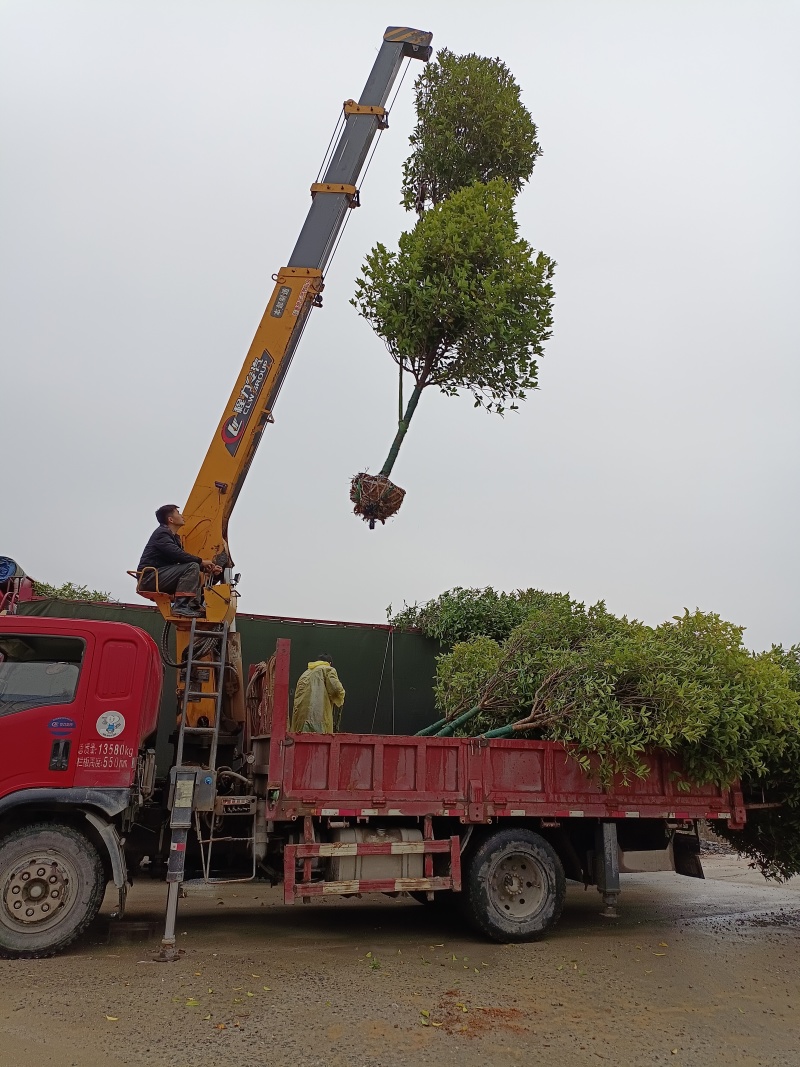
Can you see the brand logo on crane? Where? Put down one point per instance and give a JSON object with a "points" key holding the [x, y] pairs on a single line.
{"points": [[234, 426]]}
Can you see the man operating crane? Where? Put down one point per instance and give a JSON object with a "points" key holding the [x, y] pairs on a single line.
{"points": [[166, 568]]}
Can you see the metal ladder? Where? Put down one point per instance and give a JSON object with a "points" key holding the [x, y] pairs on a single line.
{"points": [[189, 780], [217, 632], [211, 634]]}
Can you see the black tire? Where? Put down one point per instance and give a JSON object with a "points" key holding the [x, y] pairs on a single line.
{"points": [[514, 886], [51, 887]]}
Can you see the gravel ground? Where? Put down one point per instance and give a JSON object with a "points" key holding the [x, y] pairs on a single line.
{"points": [[694, 972]]}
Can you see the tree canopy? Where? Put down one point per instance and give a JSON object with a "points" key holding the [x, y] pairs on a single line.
{"points": [[69, 591], [465, 302], [471, 127]]}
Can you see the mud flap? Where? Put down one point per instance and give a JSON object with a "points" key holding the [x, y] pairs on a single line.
{"points": [[686, 849], [116, 856]]}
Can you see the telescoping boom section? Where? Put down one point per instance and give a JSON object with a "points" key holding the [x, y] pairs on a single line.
{"points": [[297, 290]]}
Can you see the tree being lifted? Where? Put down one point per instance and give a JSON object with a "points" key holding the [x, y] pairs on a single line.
{"points": [[465, 302], [534, 664]]}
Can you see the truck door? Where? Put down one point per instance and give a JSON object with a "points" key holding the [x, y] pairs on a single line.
{"points": [[110, 730], [42, 683]]}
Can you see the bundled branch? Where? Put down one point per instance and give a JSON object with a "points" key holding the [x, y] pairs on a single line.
{"points": [[615, 690]]}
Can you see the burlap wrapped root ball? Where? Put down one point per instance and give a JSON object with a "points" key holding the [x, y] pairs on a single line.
{"points": [[375, 497]]}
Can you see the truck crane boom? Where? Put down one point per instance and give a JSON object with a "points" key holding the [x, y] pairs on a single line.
{"points": [[297, 290]]}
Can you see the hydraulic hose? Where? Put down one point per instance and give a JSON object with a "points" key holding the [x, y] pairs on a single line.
{"points": [[164, 649]]}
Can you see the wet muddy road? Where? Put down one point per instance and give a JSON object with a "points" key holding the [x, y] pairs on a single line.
{"points": [[694, 972]]}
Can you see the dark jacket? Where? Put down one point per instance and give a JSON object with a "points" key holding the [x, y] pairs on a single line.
{"points": [[164, 549]]}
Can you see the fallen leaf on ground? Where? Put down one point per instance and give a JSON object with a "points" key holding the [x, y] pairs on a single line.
{"points": [[113, 1018]]}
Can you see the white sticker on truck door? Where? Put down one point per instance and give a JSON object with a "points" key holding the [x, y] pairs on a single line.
{"points": [[111, 724]]}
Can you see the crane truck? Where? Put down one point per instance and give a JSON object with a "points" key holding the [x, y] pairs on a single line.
{"points": [[490, 828]]}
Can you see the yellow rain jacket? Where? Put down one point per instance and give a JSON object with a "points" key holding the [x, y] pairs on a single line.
{"points": [[318, 692]]}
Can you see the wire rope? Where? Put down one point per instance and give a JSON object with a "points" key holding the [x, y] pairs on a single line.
{"points": [[326, 158], [380, 685], [369, 160]]}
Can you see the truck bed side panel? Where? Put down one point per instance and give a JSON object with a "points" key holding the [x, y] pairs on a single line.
{"points": [[474, 779]]}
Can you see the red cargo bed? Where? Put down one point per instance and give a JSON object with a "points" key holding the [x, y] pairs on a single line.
{"points": [[473, 779]]}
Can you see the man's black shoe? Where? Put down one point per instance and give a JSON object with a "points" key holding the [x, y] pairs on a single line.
{"points": [[189, 611]]}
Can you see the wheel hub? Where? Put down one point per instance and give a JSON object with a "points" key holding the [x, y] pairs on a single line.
{"points": [[516, 886], [512, 885], [35, 890]]}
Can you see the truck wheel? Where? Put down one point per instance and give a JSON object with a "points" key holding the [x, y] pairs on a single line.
{"points": [[51, 887], [514, 886]]}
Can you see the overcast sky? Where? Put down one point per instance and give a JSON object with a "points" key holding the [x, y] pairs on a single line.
{"points": [[154, 171]]}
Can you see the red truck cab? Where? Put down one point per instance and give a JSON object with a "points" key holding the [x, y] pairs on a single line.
{"points": [[79, 700]]}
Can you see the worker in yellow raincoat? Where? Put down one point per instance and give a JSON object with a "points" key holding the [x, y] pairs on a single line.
{"points": [[318, 692]]}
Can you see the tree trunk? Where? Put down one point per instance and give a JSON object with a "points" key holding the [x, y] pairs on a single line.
{"points": [[402, 426]]}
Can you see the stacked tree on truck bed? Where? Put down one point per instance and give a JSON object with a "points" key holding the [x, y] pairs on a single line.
{"points": [[535, 664], [464, 303]]}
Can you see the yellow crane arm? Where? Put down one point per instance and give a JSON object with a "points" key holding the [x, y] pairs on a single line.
{"points": [[297, 289]]}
